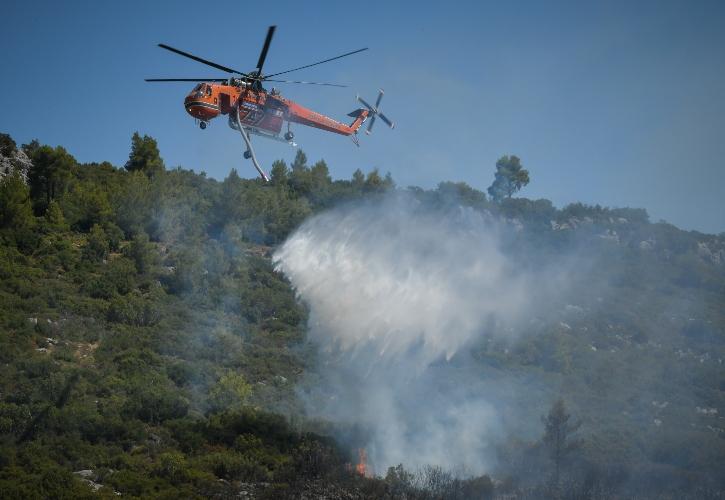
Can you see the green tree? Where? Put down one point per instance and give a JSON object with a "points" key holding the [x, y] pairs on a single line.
{"points": [[301, 180], [86, 204], [131, 202], [30, 148], [97, 247], [54, 217], [230, 392], [7, 145], [559, 441], [510, 177], [280, 173], [15, 209], [141, 251], [358, 179], [50, 175], [300, 161], [144, 156], [115, 236], [374, 182]]}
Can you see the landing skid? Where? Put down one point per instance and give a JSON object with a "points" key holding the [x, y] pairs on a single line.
{"points": [[250, 151]]}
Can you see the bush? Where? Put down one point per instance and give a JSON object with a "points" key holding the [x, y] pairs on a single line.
{"points": [[134, 310], [97, 247], [142, 253]]}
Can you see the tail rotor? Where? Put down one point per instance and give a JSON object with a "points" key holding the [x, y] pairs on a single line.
{"points": [[375, 112]]}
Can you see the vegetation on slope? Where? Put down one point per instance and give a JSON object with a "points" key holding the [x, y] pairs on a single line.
{"points": [[147, 347]]}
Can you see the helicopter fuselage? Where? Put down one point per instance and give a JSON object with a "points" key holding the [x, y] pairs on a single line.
{"points": [[261, 110]]}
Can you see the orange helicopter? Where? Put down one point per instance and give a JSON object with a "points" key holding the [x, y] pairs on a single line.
{"points": [[254, 110]]}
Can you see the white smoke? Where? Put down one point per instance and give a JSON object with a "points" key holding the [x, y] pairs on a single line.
{"points": [[395, 291]]}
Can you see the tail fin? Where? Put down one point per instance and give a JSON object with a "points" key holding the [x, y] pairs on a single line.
{"points": [[360, 116]]}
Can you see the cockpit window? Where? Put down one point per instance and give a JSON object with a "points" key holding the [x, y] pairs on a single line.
{"points": [[197, 87], [208, 90]]}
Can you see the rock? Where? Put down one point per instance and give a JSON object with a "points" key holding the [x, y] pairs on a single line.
{"points": [[610, 235], [85, 473], [647, 244], [710, 254], [18, 162], [564, 226]]}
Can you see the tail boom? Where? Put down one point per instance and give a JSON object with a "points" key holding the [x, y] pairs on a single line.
{"points": [[304, 116]]}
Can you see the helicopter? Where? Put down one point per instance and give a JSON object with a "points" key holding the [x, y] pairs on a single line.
{"points": [[252, 110]]}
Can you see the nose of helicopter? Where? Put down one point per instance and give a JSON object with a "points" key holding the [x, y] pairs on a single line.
{"points": [[202, 103]]}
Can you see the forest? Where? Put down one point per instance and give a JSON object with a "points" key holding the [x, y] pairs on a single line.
{"points": [[149, 348]]}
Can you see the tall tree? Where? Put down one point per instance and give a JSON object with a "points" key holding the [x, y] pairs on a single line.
{"points": [[50, 174], [358, 179], [7, 145], [31, 147], [300, 160], [279, 173], [510, 177], [144, 156], [15, 208], [559, 438]]}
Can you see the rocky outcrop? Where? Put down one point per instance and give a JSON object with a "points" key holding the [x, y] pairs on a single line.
{"points": [[15, 162], [711, 252]]}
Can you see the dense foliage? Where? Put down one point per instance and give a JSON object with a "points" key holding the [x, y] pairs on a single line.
{"points": [[147, 346]]}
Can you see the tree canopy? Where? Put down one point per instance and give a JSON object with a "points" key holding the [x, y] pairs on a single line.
{"points": [[144, 156], [510, 177]]}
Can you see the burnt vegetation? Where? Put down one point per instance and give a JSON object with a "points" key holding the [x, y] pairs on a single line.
{"points": [[148, 348]]}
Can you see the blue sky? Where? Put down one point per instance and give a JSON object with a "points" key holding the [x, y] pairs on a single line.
{"points": [[616, 103]]}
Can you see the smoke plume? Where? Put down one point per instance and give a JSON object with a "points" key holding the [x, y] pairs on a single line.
{"points": [[397, 291]]}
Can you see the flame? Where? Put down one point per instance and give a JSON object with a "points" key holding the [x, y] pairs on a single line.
{"points": [[362, 467]]}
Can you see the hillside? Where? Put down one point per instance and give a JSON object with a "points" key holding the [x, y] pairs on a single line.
{"points": [[150, 348]]}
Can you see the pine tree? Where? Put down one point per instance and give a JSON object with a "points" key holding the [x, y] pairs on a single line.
{"points": [[358, 179], [510, 177], [279, 173], [558, 437], [300, 161], [144, 156], [50, 175], [54, 217]]}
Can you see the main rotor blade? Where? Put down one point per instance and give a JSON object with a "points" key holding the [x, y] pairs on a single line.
{"points": [[306, 83], [265, 48], [186, 79], [319, 62], [385, 119], [203, 61]]}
